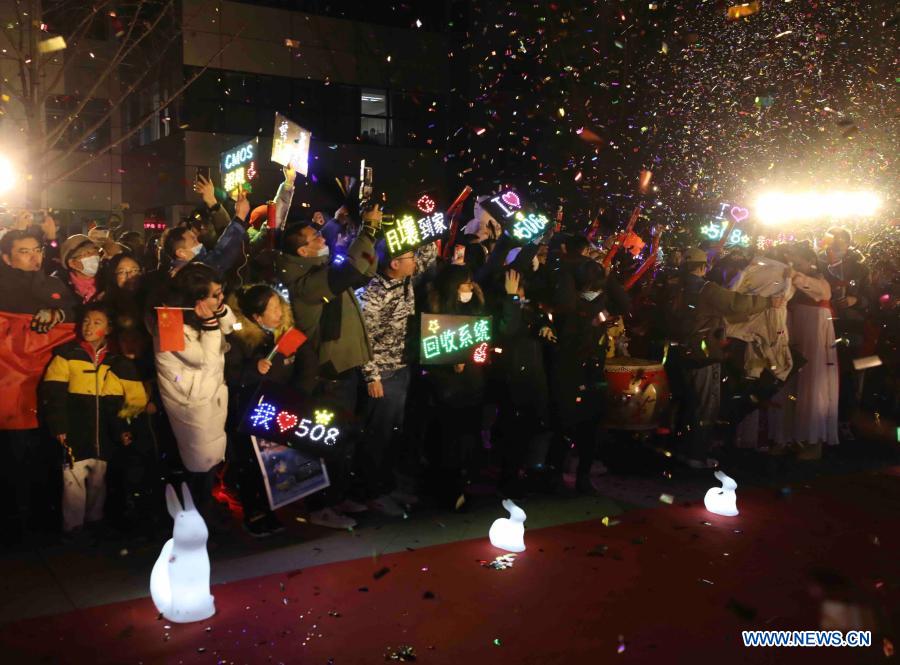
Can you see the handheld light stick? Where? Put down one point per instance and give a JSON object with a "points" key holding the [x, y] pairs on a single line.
{"points": [[611, 254], [452, 212], [649, 263]]}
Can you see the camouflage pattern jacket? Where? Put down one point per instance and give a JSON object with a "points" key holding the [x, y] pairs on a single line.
{"points": [[389, 309]]}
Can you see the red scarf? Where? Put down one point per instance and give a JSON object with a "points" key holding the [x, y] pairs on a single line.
{"points": [[84, 286]]}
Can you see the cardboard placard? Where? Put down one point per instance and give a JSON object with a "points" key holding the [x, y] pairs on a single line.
{"points": [[288, 474], [290, 144]]}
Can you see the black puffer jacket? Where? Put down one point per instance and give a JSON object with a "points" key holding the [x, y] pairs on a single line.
{"points": [[520, 367], [848, 277], [26, 292], [451, 388]]}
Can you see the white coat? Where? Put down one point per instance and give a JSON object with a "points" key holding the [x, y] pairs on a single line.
{"points": [[194, 394]]}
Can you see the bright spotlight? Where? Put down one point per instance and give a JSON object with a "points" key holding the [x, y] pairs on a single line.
{"points": [[7, 175], [781, 207]]}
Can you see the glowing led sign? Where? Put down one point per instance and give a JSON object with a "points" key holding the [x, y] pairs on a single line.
{"points": [[508, 208], [238, 165], [407, 233], [728, 215], [451, 339], [426, 204], [279, 414], [528, 227]]}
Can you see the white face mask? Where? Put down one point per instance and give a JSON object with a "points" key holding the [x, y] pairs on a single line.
{"points": [[465, 296], [323, 252], [90, 265], [589, 295]]}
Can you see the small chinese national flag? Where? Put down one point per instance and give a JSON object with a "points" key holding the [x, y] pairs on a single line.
{"points": [[289, 342], [171, 329]]}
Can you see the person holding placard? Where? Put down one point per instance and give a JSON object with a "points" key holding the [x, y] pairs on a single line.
{"points": [[458, 389]]}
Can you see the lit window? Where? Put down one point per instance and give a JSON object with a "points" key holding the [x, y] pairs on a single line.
{"points": [[375, 121]]}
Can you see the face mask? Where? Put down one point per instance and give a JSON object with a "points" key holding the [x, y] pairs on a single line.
{"points": [[589, 295], [267, 328], [323, 252], [465, 297], [535, 264], [199, 249], [90, 265]]}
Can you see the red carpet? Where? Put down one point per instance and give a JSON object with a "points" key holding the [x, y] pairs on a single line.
{"points": [[675, 590]]}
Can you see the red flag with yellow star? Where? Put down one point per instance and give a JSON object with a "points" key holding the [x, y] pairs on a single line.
{"points": [[170, 321]]}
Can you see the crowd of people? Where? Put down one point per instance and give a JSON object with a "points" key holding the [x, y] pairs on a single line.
{"points": [[758, 348]]}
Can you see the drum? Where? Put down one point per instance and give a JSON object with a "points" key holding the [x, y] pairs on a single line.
{"points": [[637, 393]]}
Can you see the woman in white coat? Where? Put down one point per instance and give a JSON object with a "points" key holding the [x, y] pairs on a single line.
{"points": [[192, 381]]}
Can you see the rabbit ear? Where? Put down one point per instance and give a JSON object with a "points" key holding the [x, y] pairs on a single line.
{"points": [[720, 476], [188, 499], [508, 504], [172, 501]]}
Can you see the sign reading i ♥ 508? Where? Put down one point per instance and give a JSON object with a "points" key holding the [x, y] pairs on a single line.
{"points": [[520, 224]]}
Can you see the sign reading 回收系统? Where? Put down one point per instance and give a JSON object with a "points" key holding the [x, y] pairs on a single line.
{"points": [[238, 165], [450, 339]]}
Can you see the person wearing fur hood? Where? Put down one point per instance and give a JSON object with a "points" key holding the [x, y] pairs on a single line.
{"points": [[262, 316]]}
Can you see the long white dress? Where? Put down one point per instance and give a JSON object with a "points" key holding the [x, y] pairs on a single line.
{"points": [[809, 401]]}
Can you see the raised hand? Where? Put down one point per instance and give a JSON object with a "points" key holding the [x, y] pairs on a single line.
{"points": [[512, 282], [206, 189], [242, 206]]}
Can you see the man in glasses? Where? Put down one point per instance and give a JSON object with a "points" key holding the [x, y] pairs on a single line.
{"points": [[388, 305], [26, 289]]}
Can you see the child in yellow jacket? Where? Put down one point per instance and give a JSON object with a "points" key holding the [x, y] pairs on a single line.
{"points": [[88, 396]]}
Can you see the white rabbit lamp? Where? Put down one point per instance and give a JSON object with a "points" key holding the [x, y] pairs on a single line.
{"points": [[179, 582], [722, 500], [509, 534]]}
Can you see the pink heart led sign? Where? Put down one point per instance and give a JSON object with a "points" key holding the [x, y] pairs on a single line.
{"points": [[511, 199], [739, 214]]}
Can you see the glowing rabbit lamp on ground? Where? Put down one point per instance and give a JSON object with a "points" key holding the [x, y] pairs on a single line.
{"points": [[722, 500], [509, 534], [179, 582]]}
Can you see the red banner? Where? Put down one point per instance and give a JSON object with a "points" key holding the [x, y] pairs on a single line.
{"points": [[24, 354]]}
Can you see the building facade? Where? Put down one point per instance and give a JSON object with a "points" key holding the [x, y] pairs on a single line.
{"points": [[364, 90]]}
